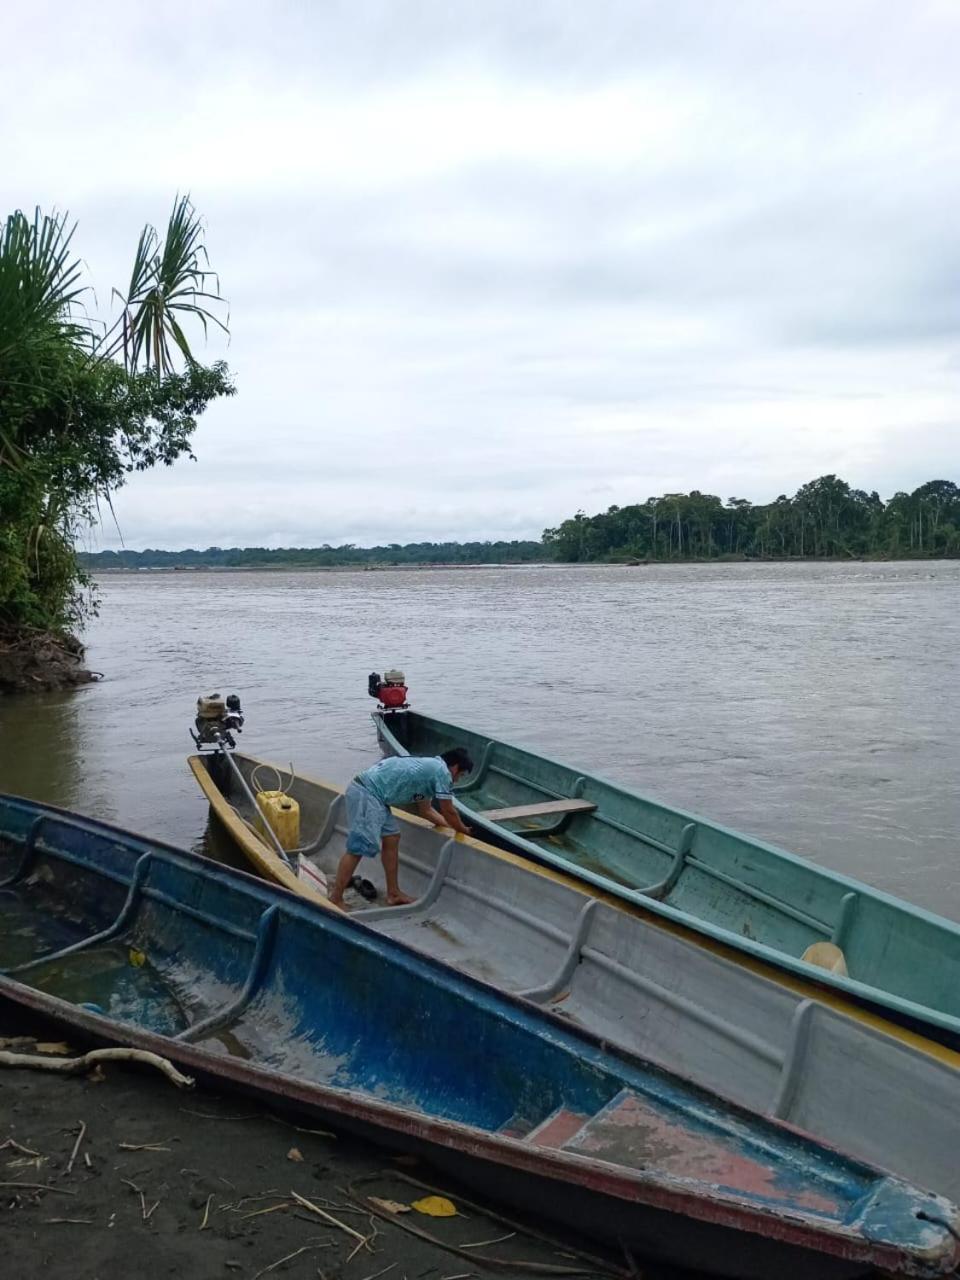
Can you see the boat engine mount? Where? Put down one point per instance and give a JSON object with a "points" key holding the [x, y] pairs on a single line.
{"points": [[217, 720], [390, 690]]}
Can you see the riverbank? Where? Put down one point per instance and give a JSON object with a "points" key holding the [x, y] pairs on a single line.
{"points": [[33, 661], [122, 1174]]}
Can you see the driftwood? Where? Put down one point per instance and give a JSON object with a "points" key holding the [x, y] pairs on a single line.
{"points": [[70, 1066]]}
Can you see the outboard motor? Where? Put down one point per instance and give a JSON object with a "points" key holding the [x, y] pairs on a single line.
{"points": [[390, 690], [217, 720]]}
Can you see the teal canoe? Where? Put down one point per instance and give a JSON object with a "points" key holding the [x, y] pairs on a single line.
{"points": [[882, 951]]}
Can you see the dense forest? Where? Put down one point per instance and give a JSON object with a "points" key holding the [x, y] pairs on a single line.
{"points": [[825, 518], [324, 557]]}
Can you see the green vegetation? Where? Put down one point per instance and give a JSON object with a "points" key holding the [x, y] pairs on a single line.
{"points": [[325, 557], [825, 518], [82, 405]]}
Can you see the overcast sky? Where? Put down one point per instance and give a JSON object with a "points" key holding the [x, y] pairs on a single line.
{"points": [[489, 261]]}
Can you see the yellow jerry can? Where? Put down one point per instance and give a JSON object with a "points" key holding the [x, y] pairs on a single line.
{"points": [[283, 814]]}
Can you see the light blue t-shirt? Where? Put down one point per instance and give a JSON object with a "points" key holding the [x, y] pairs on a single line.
{"points": [[403, 779]]}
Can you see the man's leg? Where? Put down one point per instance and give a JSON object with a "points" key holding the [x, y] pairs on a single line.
{"points": [[345, 870], [364, 819], [390, 852]]}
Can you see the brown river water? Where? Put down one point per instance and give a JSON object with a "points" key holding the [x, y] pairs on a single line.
{"points": [[813, 705]]}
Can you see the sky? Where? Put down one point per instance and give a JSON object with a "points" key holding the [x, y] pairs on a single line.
{"points": [[489, 261]]}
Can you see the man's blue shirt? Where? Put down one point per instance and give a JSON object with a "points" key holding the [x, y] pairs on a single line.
{"points": [[403, 779]]}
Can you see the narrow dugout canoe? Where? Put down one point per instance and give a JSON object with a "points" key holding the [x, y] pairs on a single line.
{"points": [[899, 959], [854, 1080], [251, 985]]}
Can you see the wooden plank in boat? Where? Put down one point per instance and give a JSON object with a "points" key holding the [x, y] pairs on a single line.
{"points": [[537, 810]]}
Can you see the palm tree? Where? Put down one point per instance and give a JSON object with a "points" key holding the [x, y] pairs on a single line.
{"points": [[39, 295], [168, 284]]}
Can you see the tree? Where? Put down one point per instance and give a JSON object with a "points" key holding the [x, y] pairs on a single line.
{"points": [[826, 517], [81, 409]]}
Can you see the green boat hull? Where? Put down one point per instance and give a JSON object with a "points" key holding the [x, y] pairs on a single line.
{"points": [[900, 960]]}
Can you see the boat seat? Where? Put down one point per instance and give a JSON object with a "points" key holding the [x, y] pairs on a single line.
{"points": [[536, 810], [633, 1131], [558, 1128]]}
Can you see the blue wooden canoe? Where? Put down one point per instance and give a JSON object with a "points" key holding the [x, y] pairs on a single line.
{"points": [[895, 957], [126, 940]]}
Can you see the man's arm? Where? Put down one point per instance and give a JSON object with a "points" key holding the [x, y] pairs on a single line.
{"points": [[447, 816]]}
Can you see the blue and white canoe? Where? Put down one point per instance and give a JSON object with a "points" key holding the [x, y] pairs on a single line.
{"points": [[128, 941]]}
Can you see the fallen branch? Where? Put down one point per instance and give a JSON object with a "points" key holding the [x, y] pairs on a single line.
{"points": [[143, 1202], [272, 1208], [16, 1146], [264, 1195], [377, 1274], [308, 1204], [286, 1258], [70, 1066], [38, 1186], [592, 1264], [482, 1244], [368, 1242], [76, 1146]]}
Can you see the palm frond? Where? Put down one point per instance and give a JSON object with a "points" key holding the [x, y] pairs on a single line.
{"points": [[39, 287], [39, 300], [169, 276]]}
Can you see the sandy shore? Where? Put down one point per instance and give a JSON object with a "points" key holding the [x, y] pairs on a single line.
{"points": [[199, 1185]]}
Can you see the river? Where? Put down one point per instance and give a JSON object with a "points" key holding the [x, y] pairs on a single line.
{"points": [[813, 705]]}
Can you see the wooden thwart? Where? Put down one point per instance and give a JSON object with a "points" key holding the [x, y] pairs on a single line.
{"points": [[536, 810]]}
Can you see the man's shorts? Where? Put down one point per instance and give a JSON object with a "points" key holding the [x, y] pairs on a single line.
{"points": [[369, 820]]}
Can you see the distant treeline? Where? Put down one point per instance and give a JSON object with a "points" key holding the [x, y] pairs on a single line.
{"points": [[319, 557], [823, 518]]}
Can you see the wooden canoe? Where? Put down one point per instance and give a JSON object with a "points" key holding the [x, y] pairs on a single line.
{"points": [[129, 941], [888, 954], [740, 1029]]}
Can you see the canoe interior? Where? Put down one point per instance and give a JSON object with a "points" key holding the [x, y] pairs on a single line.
{"points": [[642, 988], [169, 943], [747, 892]]}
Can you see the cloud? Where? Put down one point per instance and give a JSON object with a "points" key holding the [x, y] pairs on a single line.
{"points": [[489, 263]]}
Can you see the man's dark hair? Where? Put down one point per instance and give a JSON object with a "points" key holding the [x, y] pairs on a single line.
{"points": [[458, 756]]}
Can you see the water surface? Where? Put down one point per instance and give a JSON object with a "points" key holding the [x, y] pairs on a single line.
{"points": [[813, 705]]}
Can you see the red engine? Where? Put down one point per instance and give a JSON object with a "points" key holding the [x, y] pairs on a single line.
{"points": [[390, 690]]}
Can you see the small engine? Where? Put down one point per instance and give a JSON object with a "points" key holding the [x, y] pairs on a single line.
{"points": [[390, 690], [217, 720]]}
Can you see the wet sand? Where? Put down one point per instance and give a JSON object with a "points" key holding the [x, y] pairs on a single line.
{"points": [[219, 1162]]}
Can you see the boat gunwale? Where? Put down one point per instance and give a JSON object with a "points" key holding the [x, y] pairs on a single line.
{"points": [[877, 996]]}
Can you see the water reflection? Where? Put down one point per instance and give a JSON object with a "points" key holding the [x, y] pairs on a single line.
{"points": [[42, 749]]}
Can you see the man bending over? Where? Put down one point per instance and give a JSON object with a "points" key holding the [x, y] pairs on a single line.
{"points": [[425, 781]]}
